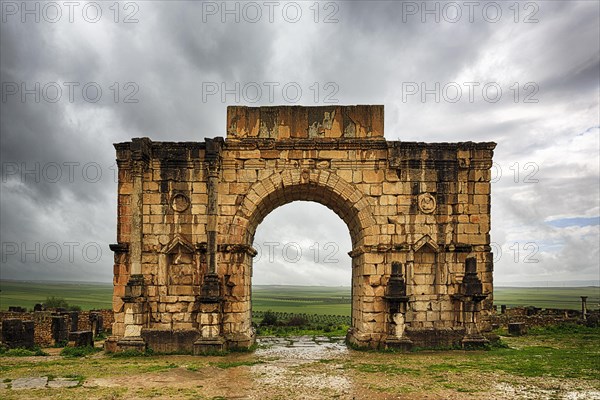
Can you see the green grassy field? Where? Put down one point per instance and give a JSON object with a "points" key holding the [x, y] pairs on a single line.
{"points": [[549, 297], [292, 299], [302, 299], [26, 294]]}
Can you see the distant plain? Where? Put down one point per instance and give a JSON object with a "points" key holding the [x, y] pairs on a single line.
{"points": [[322, 300]]}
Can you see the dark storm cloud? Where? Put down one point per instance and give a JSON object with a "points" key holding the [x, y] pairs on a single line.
{"points": [[370, 53]]}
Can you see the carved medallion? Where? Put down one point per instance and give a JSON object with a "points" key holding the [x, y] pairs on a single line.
{"points": [[180, 202], [427, 203]]}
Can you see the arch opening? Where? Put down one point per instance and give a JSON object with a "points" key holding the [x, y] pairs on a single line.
{"points": [[322, 195], [321, 187], [302, 244]]}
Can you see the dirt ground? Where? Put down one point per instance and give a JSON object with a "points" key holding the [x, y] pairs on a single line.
{"points": [[298, 368]]}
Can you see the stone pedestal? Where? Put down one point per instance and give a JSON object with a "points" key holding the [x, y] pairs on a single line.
{"points": [[241, 341], [60, 332], [110, 344], [131, 343], [402, 343], [209, 345], [474, 342], [517, 328], [17, 333], [81, 339], [134, 307]]}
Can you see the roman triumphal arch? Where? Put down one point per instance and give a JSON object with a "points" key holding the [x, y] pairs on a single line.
{"points": [[418, 216]]}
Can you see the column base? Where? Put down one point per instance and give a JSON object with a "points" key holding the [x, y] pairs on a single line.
{"points": [[115, 344], [363, 340], [204, 346], [474, 342], [402, 343], [240, 341]]}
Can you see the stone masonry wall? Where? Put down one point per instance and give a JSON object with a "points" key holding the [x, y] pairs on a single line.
{"points": [[43, 322], [187, 211]]}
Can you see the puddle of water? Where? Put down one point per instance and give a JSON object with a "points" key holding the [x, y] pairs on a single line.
{"points": [[301, 349], [529, 392], [284, 354]]}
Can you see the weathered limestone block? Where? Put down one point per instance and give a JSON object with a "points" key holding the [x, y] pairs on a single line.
{"points": [[517, 328], [60, 329], [81, 339], [17, 333]]}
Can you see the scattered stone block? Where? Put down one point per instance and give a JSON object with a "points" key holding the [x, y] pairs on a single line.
{"points": [[62, 383], [60, 333], [17, 333], [81, 339], [29, 383], [74, 318], [517, 328], [96, 323]]}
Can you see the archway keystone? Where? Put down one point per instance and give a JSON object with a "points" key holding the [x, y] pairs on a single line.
{"points": [[418, 214]]}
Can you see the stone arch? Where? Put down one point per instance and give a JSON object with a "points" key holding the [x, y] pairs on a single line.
{"points": [[426, 205], [278, 189], [321, 186]]}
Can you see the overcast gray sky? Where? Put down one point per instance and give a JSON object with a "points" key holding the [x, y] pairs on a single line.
{"points": [[77, 77]]}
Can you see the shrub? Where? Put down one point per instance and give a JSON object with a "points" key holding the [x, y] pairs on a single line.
{"points": [[55, 302], [59, 302], [21, 352], [133, 353], [297, 321], [269, 318], [79, 351]]}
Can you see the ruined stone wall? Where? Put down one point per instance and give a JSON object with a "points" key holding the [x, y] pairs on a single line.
{"points": [[189, 211], [43, 322], [536, 317]]}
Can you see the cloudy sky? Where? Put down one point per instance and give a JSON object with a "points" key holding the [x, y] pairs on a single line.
{"points": [[78, 77]]}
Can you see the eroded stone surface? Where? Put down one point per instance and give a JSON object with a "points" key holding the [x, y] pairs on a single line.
{"points": [[29, 383], [62, 383]]}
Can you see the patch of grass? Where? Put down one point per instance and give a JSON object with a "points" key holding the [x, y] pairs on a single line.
{"points": [[234, 364], [326, 360], [22, 352], [309, 330], [79, 378], [390, 369], [79, 351], [536, 361], [244, 349], [161, 368], [564, 329], [215, 353], [132, 353]]}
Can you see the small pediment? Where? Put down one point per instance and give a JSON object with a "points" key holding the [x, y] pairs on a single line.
{"points": [[426, 244], [178, 245]]}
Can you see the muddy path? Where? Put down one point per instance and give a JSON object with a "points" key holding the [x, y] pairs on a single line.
{"points": [[281, 368]]}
